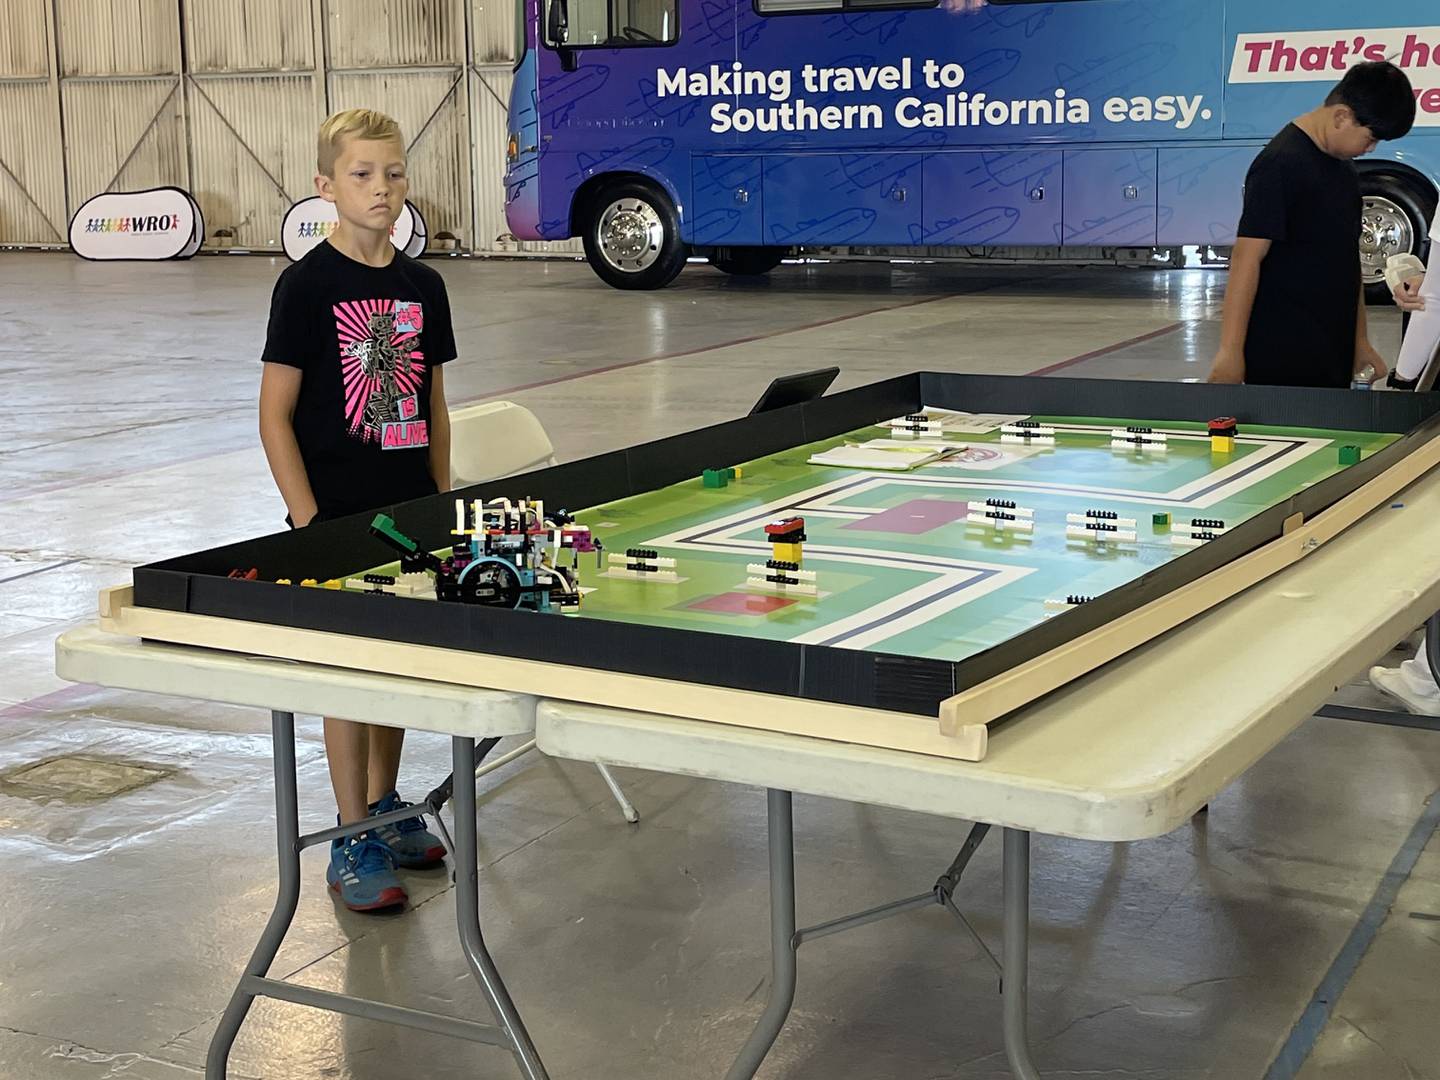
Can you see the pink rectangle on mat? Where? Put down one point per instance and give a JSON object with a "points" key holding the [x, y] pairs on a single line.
{"points": [[915, 516], [739, 603]]}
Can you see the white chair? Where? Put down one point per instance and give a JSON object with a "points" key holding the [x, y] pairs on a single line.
{"points": [[489, 441], [495, 439]]}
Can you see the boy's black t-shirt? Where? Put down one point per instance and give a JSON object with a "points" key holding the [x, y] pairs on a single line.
{"points": [[366, 339], [1307, 203]]}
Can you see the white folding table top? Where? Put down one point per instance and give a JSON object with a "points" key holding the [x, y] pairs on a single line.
{"points": [[1130, 751], [90, 655]]}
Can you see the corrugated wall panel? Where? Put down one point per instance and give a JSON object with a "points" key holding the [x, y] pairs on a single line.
{"points": [[130, 127], [253, 143], [249, 35], [493, 31], [490, 97], [394, 33], [32, 184], [250, 106], [430, 107], [24, 44], [119, 37]]}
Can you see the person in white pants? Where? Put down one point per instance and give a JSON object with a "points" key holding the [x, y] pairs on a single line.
{"points": [[1413, 683]]}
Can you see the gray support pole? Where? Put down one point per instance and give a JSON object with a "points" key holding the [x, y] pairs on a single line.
{"points": [[467, 913], [287, 839], [782, 938], [1015, 991]]}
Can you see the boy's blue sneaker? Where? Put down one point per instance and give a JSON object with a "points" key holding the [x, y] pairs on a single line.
{"points": [[412, 846], [362, 873]]}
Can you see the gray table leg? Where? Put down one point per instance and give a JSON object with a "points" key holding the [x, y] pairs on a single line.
{"points": [[782, 938], [1015, 990], [287, 840], [467, 913]]}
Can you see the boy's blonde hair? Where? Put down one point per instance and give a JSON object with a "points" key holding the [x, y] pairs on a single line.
{"points": [[352, 124]]}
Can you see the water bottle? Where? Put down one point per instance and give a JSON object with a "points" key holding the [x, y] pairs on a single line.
{"points": [[1363, 379]]}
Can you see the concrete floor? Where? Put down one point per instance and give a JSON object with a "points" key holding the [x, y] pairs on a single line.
{"points": [[634, 952]]}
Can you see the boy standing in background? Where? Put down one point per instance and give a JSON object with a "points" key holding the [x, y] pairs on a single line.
{"points": [[1294, 303]]}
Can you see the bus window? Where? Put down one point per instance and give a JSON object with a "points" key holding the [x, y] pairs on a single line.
{"points": [[799, 7], [613, 23]]}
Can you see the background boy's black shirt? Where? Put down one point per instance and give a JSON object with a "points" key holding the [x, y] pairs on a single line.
{"points": [[1307, 203], [366, 339]]}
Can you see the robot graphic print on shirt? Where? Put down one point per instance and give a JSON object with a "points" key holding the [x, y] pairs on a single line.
{"points": [[383, 370]]}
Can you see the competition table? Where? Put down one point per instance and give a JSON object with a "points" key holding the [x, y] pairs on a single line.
{"points": [[1127, 753], [881, 688]]}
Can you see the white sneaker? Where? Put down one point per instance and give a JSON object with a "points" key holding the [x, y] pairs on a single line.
{"points": [[1390, 681]]}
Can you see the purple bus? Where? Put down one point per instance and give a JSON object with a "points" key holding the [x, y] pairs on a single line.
{"points": [[744, 130]]}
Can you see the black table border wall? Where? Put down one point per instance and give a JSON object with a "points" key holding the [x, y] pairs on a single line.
{"points": [[198, 583]]}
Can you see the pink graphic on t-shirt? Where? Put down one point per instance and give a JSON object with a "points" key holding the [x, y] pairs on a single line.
{"points": [[380, 361]]}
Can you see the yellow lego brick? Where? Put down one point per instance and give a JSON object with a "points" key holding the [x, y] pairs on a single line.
{"points": [[310, 583], [282, 581], [787, 552], [334, 583], [739, 473], [1222, 444]]}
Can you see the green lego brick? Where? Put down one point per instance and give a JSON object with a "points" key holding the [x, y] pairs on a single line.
{"points": [[714, 478], [385, 525], [1349, 455], [1162, 521]]}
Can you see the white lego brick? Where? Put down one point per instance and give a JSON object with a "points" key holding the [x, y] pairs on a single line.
{"points": [[761, 569], [1086, 519], [991, 504], [669, 577], [1190, 530], [1102, 536], [1018, 525]]}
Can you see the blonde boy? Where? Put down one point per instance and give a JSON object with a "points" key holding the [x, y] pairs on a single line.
{"points": [[353, 417]]}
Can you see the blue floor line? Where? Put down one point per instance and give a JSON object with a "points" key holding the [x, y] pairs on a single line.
{"points": [[1316, 1016]]}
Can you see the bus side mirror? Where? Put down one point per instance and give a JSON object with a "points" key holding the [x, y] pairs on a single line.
{"points": [[558, 24]]}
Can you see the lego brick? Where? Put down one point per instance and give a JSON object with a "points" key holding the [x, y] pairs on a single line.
{"points": [[790, 553], [1349, 455]]}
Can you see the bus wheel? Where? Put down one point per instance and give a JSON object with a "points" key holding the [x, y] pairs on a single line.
{"points": [[747, 261], [633, 237], [1396, 221]]}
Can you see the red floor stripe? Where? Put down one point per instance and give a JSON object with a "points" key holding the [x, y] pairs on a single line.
{"points": [[1107, 350], [682, 353]]}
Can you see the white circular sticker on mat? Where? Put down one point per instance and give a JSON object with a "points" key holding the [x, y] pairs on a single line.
{"points": [[311, 220], [162, 223]]}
